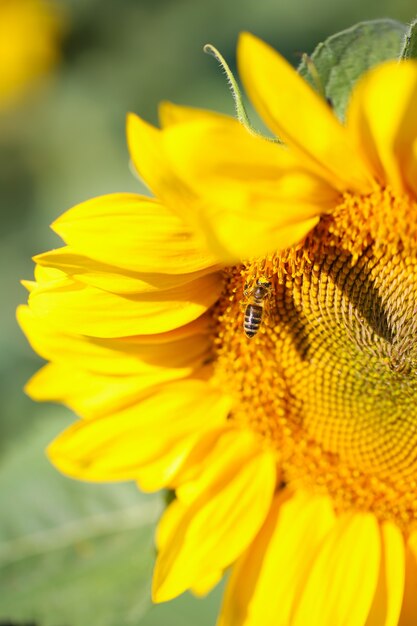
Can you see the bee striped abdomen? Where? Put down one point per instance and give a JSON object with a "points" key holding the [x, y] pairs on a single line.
{"points": [[253, 319], [255, 298]]}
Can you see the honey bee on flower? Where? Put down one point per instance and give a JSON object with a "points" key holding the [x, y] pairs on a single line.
{"points": [[255, 298]]}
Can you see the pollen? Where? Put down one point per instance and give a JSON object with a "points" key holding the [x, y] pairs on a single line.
{"points": [[330, 378]]}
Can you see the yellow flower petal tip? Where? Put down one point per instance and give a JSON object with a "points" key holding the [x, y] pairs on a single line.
{"points": [[246, 339], [135, 125], [248, 42]]}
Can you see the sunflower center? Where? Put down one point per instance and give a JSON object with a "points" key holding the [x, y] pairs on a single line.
{"points": [[329, 378]]}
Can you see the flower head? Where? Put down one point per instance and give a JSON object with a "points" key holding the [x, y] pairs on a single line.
{"points": [[29, 30], [291, 448]]}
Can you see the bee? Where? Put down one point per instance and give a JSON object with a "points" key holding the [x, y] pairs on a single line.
{"points": [[254, 305]]}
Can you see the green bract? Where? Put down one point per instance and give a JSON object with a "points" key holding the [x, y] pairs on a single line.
{"points": [[410, 44], [337, 63]]}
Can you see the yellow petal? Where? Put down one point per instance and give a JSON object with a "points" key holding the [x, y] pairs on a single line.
{"points": [[183, 459], [300, 117], [167, 468], [171, 114], [29, 285], [89, 394], [204, 586], [211, 532], [245, 185], [202, 325], [150, 160], [133, 232], [157, 156], [187, 478], [382, 118], [409, 607], [109, 277], [113, 356], [165, 423], [342, 582], [82, 309], [410, 168], [386, 607], [268, 578], [45, 274], [195, 480]]}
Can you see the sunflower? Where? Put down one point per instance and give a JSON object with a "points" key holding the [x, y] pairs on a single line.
{"points": [[29, 33], [246, 338]]}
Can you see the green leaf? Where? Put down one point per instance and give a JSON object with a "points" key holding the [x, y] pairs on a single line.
{"points": [[71, 553], [337, 63], [75, 554], [410, 43]]}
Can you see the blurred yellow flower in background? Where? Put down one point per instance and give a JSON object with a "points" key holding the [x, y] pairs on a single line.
{"points": [[292, 454], [29, 34]]}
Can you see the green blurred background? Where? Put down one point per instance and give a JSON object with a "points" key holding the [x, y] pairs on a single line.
{"points": [[75, 554]]}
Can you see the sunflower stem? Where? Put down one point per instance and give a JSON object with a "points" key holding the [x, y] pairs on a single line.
{"points": [[241, 113]]}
